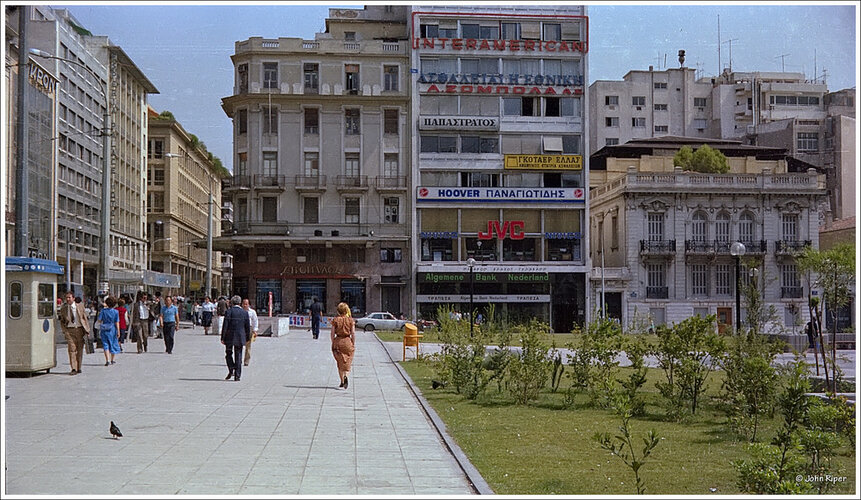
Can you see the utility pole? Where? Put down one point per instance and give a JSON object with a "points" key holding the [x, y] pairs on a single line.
{"points": [[22, 180], [782, 62], [209, 241], [730, 51]]}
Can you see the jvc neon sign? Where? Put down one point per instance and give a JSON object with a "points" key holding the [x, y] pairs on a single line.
{"points": [[503, 229]]}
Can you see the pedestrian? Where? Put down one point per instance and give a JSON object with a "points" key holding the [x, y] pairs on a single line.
{"points": [[141, 320], [155, 313], [168, 318], [73, 320], [207, 310], [124, 323], [109, 329], [221, 309], [234, 335], [252, 316], [812, 340], [343, 342], [195, 314], [316, 317]]}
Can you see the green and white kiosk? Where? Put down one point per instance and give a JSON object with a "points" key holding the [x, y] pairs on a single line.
{"points": [[31, 308]]}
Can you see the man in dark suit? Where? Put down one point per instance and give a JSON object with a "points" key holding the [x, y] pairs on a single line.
{"points": [[316, 317], [234, 334]]}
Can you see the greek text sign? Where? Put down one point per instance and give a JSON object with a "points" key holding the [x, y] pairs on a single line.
{"points": [[543, 162], [458, 123], [499, 195]]}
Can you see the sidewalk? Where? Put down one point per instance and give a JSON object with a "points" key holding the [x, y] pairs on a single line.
{"points": [[285, 429]]}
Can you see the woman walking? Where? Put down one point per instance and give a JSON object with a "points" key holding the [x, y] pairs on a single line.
{"points": [[343, 342], [207, 309], [109, 329], [169, 316]]}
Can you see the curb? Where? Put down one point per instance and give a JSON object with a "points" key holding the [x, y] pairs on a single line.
{"points": [[476, 480]]}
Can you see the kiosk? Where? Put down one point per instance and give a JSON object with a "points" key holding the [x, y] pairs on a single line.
{"points": [[31, 303]]}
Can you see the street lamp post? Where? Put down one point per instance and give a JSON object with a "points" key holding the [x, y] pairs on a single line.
{"points": [[152, 247], [69, 257], [471, 263], [105, 234], [737, 250]]}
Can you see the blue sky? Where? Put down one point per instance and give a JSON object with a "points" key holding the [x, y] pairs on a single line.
{"points": [[185, 49]]}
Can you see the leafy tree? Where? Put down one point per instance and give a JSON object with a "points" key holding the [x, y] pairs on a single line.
{"points": [[684, 158], [750, 382], [166, 115], [594, 364], [705, 159], [528, 369]]}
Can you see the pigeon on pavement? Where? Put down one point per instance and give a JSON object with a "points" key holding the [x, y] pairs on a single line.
{"points": [[115, 431]]}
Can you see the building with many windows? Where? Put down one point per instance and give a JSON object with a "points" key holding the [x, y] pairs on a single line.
{"points": [[322, 154], [498, 177], [666, 235], [183, 191]]}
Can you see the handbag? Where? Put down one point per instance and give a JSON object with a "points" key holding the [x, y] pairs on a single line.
{"points": [[88, 344]]}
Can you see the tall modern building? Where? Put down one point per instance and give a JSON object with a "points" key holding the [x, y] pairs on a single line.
{"points": [[321, 159], [498, 178]]}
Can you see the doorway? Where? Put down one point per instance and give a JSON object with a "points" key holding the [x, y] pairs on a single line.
{"points": [[724, 319], [391, 299]]}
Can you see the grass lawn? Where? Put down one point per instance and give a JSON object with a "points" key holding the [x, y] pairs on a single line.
{"points": [[545, 448], [431, 335]]}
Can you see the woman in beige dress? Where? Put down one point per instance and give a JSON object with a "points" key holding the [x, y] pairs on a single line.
{"points": [[343, 341]]}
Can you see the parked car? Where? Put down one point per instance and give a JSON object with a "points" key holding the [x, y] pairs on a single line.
{"points": [[380, 321]]}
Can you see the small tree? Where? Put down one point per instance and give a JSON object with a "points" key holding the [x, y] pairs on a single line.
{"points": [[617, 445], [684, 158], [528, 369], [750, 382], [707, 160]]}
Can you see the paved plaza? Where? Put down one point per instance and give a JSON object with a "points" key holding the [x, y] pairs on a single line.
{"points": [[284, 429]]}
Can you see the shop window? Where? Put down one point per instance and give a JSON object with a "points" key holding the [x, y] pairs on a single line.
{"points": [[353, 294], [480, 250], [437, 249], [307, 291], [519, 250]]}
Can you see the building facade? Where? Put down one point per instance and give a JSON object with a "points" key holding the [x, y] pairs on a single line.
{"points": [[183, 189], [322, 153], [666, 235], [499, 178]]}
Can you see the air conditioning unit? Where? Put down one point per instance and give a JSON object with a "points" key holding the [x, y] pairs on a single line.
{"points": [[335, 232], [318, 232], [639, 108]]}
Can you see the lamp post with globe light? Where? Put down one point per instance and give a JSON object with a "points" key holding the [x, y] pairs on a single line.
{"points": [[737, 250]]}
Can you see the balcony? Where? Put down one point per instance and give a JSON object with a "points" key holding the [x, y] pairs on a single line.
{"points": [[657, 292], [276, 227], [310, 182], [237, 183], [391, 184], [694, 247], [782, 247], [657, 247], [351, 183], [791, 292], [270, 182]]}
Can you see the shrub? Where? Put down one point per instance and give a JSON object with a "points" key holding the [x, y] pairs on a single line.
{"points": [[636, 351], [750, 383], [594, 365], [462, 356], [528, 369]]}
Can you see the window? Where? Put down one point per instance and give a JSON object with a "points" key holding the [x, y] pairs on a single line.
{"points": [[611, 141], [660, 107], [808, 141], [656, 275], [351, 121], [638, 100], [241, 209], [242, 121], [469, 30], [700, 102], [722, 228], [312, 77], [310, 212], [16, 299], [611, 100], [391, 254], [351, 164], [312, 121], [477, 179], [155, 202], [746, 228], [270, 163], [489, 32], [351, 210], [312, 164], [155, 149], [429, 31], [158, 176], [270, 120], [350, 36], [700, 227], [789, 227], [511, 31], [391, 166], [792, 100], [270, 75], [614, 236], [552, 32], [241, 165], [391, 210], [242, 71], [390, 78], [638, 121], [660, 85], [661, 128], [438, 144], [700, 123], [789, 276], [47, 298], [656, 227], [269, 209], [390, 121], [353, 253], [611, 121], [351, 78], [699, 279], [476, 144]]}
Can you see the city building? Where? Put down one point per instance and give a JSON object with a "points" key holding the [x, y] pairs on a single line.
{"points": [[498, 177], [128, 89], [183, 209], [665, 235], [321, 157], [39, 155]]}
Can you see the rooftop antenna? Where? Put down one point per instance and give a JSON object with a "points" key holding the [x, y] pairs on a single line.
{"points": [[699, 69], [814, 66], [720, 68], [782, 62], [730, 51], [658, 61]]}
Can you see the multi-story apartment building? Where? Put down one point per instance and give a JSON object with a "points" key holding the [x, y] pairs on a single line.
{"points": [[321, 158], [500, 188], [666, 235], [128, 89], [182, 182], [39, 155]]}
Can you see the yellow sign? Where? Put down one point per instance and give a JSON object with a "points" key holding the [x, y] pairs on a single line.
{"points": [[194, 285], [544, 162]]}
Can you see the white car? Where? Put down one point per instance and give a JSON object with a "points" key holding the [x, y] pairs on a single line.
{"points": [[380, 321]]}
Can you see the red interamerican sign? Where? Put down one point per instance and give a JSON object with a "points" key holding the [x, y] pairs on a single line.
{"points": [[503, 229]]}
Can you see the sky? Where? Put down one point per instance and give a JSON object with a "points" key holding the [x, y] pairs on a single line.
{"points": [[184, 48]]}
